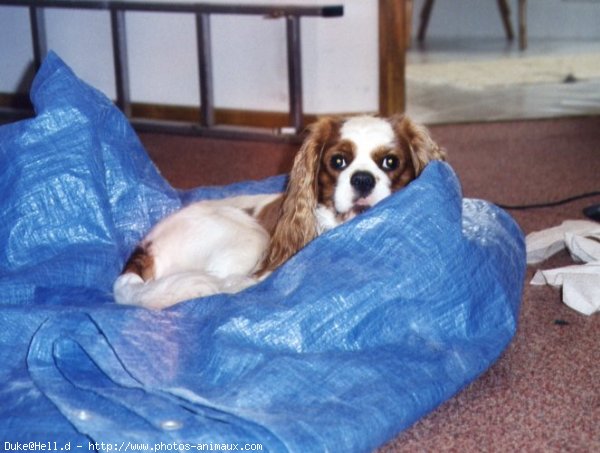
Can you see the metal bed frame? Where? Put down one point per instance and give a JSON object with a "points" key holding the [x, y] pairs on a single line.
{"points": [[207, 126]]}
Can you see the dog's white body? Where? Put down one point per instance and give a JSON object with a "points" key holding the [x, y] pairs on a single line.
{"points": [[218, 247]]}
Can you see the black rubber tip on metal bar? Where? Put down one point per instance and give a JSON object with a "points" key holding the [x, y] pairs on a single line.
{"points": [[333, 11]]}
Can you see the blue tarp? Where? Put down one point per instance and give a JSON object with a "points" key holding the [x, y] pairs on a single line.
{"points": [[365, 330]]}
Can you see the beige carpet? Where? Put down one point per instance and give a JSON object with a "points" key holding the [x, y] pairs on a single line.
{"points": [[482, 74]]}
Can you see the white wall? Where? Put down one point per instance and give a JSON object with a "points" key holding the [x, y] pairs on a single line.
{"points": [[567, 19], [339, 55], [249, 54]]}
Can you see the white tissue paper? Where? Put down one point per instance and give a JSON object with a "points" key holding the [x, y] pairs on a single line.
{"points": [[580, 282]]}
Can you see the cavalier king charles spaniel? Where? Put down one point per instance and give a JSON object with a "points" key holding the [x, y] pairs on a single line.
{"points": [[344, 167]]}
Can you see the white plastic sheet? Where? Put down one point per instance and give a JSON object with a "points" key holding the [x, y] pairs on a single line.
{"points": [[580, 282]]}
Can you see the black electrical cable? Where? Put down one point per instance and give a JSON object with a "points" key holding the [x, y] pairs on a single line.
{"points": [[549, 204]]}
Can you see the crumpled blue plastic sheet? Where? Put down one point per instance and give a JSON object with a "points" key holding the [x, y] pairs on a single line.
{"points": [[368, 328]]}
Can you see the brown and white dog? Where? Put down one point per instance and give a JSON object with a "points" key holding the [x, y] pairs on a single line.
{"points": [[344, 167]]}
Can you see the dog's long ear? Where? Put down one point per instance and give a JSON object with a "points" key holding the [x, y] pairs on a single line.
{"points": [[422, 147], [297, 224]]}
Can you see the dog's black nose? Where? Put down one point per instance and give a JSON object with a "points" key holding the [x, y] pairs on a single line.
{"points": [[363, 182]]}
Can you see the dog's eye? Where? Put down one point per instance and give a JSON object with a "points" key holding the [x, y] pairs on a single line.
{"points": [[338, 162], [390, 163]]}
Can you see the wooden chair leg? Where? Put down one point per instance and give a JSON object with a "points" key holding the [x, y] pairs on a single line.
{"points": [[425, 14], [505, 14], [522, 24]]}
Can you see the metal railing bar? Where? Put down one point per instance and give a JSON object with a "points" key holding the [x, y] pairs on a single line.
{"points": [[121, 64], [294, 71], [118, 8], [229, 132], [38, 35], [202, 8], [207, 113]]}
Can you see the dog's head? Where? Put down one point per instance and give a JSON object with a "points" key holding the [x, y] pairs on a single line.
{"points": [[344, 167]]}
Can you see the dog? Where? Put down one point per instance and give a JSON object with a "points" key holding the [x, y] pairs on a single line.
{"points": [[344, 167]]}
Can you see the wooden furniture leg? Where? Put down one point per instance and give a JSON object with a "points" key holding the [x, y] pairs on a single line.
{"points": [[392, 56], [425, 14], [505, 14], [522, 24]]}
